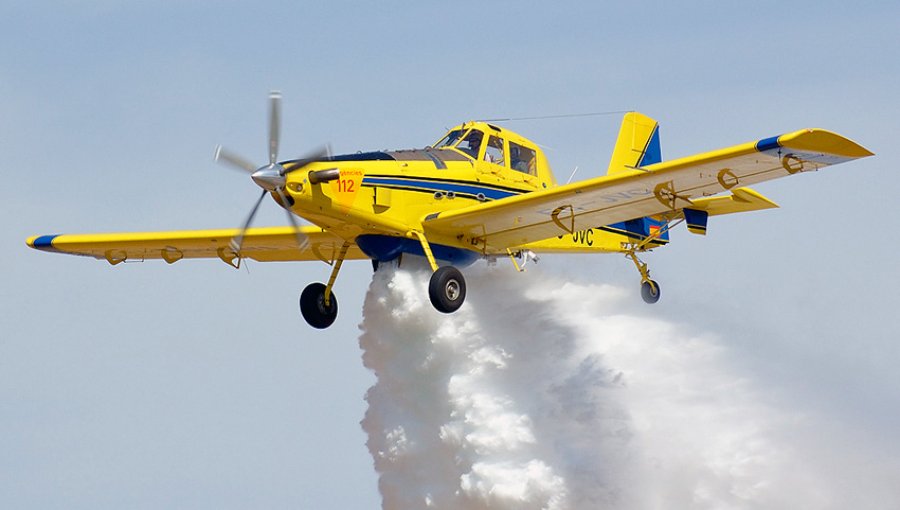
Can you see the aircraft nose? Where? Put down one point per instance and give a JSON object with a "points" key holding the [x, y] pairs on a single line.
{"points": [[269, 177]]}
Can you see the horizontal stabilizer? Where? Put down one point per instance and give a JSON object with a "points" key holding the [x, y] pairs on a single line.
{"points": [[740, 200]]}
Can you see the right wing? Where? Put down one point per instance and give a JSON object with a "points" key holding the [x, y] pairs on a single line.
{"points": [[661, 188], [267, 244]]}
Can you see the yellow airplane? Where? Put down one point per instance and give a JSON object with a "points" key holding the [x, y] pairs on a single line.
{"points": [[481, 191]]}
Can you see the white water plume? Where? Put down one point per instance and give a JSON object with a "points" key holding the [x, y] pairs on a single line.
{"points": [[539, 393]]}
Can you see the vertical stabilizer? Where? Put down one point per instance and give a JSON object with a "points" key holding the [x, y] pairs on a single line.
{"points": [[637, 144]]}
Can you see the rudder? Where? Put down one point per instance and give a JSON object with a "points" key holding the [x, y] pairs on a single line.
{"points": [[637, 144]]}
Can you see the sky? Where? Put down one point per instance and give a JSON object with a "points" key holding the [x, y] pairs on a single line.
{"points": [[196, 385]]}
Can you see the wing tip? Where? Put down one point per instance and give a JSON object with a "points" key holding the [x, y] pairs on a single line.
{"points": [[43, 243], [823, 140]]}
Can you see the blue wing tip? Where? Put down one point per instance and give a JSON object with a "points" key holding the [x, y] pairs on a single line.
{"points": [[768, 143], [43, 243]]}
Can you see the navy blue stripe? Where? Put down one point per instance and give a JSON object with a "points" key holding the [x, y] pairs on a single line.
{"points": [[449, 181], [439, 186], [768, 144], [413, 189], [386, 248]]}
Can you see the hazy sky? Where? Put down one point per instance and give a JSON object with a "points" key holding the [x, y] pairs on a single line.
{"points": [[195, 385]]}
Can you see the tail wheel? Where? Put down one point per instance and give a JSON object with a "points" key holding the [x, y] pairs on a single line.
{"points": [[650, 291], [447, 289], [313, 307]]}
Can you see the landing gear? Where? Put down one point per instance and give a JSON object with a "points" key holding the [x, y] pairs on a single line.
{"points": [[317, 302], [318, 312], [447, 289], [650, 291], [649, 288]]}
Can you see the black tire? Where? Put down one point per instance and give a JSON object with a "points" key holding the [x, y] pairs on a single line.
{"points": [[650, 291], [313, 309], [447, 289]]}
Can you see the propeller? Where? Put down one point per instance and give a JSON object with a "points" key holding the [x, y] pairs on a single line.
{"points": [[271, 177]]}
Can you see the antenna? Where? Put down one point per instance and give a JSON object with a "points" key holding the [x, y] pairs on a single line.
{"points": [[573, 174], [562, 116]]}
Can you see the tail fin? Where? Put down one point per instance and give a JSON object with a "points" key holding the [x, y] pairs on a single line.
{"points": [[637, 144]]}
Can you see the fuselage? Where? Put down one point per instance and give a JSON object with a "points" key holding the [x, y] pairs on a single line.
{"points": [[390, 193]]}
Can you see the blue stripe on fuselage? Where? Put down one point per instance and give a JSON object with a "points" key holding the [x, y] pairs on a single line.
{"points": [[423, 185]]}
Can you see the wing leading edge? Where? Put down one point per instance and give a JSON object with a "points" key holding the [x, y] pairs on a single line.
{"points": [[268, 244], [661, 188]]}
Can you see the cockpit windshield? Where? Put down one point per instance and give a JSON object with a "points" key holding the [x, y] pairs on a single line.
{"points": [[471, 144], [450, 140], [466, 140]]}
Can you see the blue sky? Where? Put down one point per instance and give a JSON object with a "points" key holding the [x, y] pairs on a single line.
{"points": [[195, 385]]}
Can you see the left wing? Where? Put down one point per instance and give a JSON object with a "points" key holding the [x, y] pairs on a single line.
{"points": [[266, 244], [661, 188]]}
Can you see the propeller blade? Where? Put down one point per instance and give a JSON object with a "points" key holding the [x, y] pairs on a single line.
{"points": [[238, 241], [234, 160], [268, 176], [322, 153], [274, 125], [302, 239]]}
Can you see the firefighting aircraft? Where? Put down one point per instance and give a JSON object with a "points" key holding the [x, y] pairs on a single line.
{"points": [[481, 191]]}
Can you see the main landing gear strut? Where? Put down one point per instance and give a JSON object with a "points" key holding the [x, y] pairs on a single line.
{"points": [[649, 288], [318, 305], [447, 287]]}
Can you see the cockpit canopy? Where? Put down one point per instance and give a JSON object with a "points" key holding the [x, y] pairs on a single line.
{"points": [[485, 142]]}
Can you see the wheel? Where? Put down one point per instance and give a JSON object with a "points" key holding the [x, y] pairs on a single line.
{"points": [[313, 309], [650, 291], [447, 289]]}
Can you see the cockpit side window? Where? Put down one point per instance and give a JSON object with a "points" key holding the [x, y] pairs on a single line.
{"points": [[471, 144], [449, 140], [494, 152], [523, 159]]}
